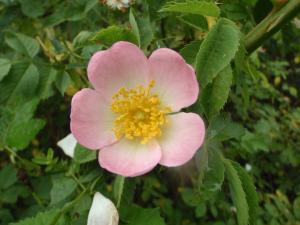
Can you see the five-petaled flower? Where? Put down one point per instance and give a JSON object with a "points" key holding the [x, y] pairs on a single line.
{"points": [[132, 114]]}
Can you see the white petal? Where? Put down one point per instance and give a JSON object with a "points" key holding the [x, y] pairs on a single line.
{"points": [[248, 167], [68, 144], [102, 212]]}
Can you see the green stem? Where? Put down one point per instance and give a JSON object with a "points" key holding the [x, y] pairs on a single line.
{"points": [[271, 24]]}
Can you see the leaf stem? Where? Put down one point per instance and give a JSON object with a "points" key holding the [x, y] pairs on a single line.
{"points": [[271, 24]]}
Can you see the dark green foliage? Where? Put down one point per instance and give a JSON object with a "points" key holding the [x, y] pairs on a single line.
{"points": [[250, 105]]}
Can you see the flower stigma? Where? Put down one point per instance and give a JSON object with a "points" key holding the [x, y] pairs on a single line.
{"points": [[140, 114]]}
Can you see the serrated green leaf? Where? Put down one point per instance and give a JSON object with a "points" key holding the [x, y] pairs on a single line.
{"points": [[189, 51], [47, 78], [62, 81], [221, 128], [22, 133], [213, 176], [5, 66], [214, 96], [8, 176], [196, 21], [62, 187], [32, 8], [200, 210], [134, 26], [250, 190], [192, 6], [28, 83], [82, 38], [23, 44], [11, 194], [238, 194], [217, 50], [17, 127], [83, 155], [42, 218], [70, 11], [21, 83], [296, 207], [112, 34], [136, 215], [145, 29], [191, 197]]}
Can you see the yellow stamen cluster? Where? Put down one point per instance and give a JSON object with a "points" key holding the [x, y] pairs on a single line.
{"points": [[139, 113]]}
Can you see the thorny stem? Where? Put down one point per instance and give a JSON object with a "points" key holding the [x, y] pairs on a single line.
{"points": [[271, 24]]}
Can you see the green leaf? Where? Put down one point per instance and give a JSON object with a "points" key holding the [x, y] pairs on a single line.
{"points": [[32, 8], [213, 176], [82, 38], [83, 155], [62, 187], [17, 127], [145, 29], [70, 11], [196, 21], [237, 193], [190, 197], [112, 34], [192, 6], [5, 66], [21, 83], [221, 128], [42, 218], [189, 51], [62, 81], [21, 133], [250, 190], [136, 215], [47, 78], [296, 207], [8, 176], [214, 96], [22, 43], [200, 210], [11, 194], [134, 26], [217, 50], [118, 189]]}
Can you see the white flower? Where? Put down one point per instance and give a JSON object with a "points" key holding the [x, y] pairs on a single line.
{"points": [[68, 144], [102, 212], [248, 167], [118, 4]]}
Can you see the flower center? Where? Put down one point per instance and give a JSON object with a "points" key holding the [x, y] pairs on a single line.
{"points": [[139, 113]]}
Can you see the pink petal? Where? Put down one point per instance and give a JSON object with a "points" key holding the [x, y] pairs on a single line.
{"points": [[130, 158], [122, 65], [91, 119], [181, 139], [175, 80]]}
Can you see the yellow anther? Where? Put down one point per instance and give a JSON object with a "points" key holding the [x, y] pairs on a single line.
{"points": [[139, 113]]}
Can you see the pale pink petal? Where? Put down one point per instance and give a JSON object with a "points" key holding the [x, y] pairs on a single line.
{"points": [[175, 80], [91, 119], [181, 139], [130, 158], [122, 65]]}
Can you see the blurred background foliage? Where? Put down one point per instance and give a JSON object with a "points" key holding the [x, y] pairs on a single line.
{"points": [[45, 47]]}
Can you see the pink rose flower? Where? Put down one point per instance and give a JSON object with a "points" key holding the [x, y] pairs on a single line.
{"points": [[132, 114]]}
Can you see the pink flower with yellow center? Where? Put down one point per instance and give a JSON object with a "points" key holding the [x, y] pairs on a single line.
{"points": [[132, 114]]}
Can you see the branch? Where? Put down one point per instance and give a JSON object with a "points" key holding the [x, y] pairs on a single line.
{"points": [[271, 24]]}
